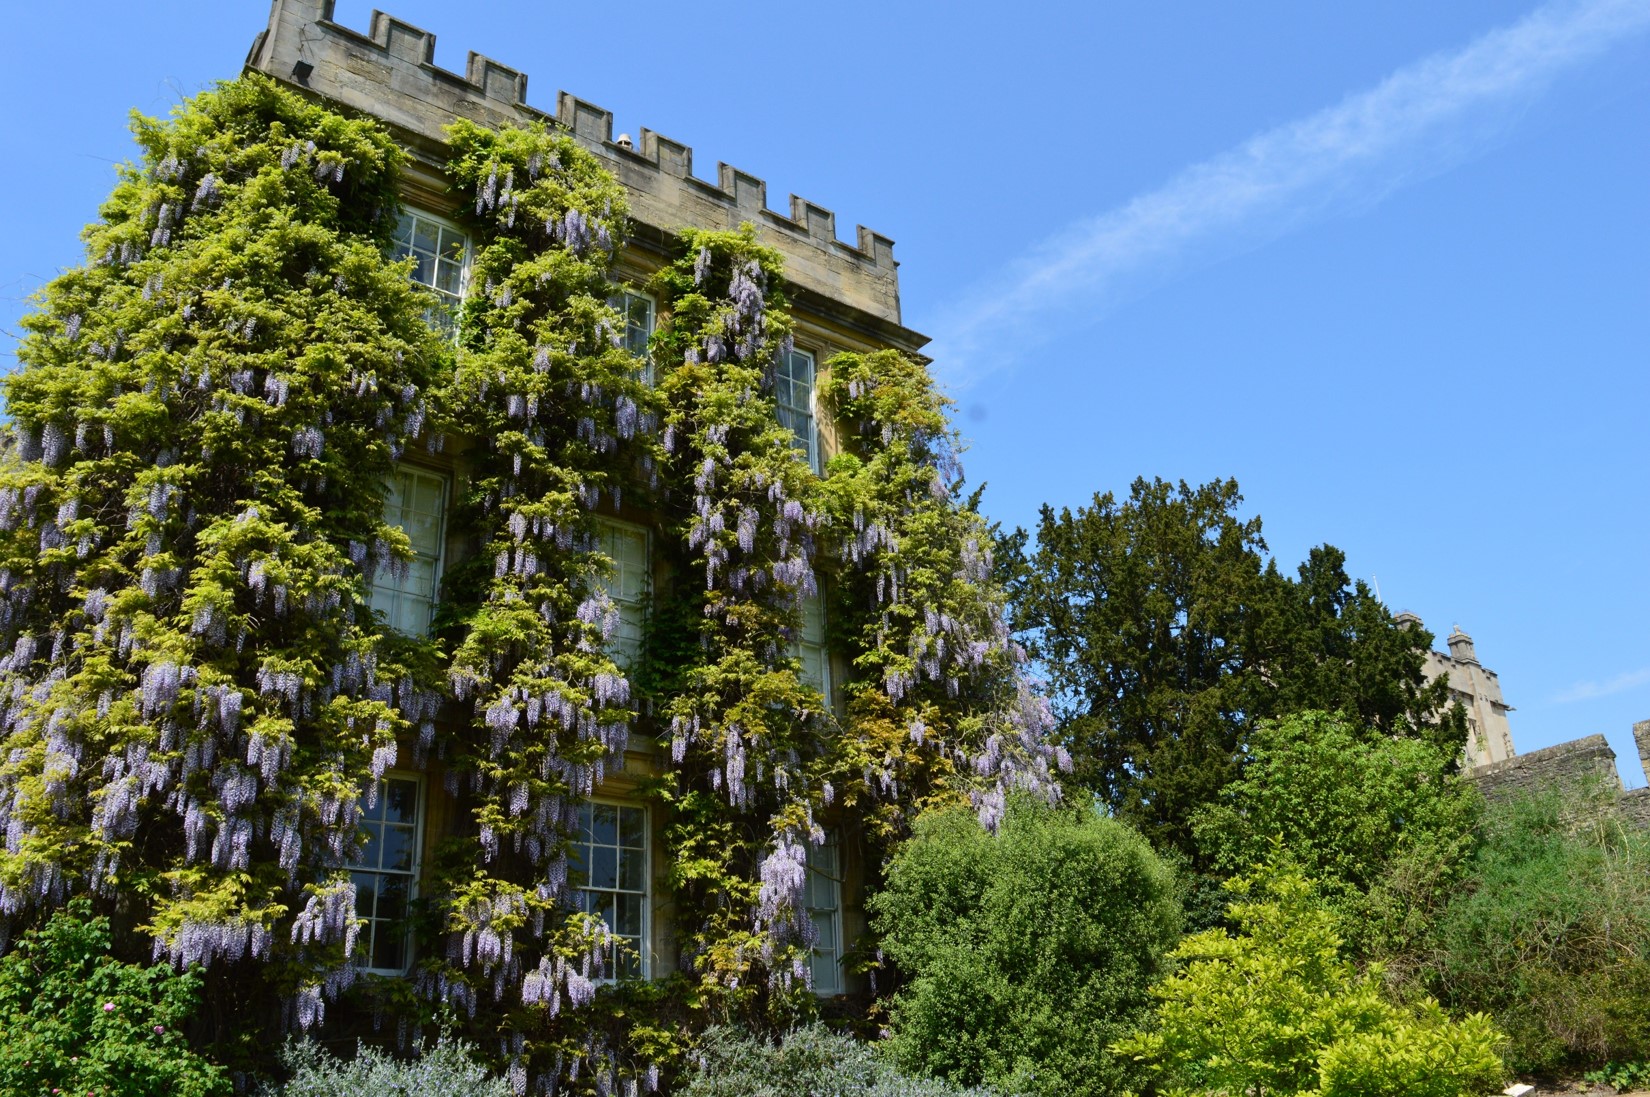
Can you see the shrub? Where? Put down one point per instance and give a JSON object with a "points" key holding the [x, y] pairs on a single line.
{"points": [[1552, 933], [75, 1019], [1276, 1009], [809, 1062], [447, 1069], [1027, 950], [1380, 824]]}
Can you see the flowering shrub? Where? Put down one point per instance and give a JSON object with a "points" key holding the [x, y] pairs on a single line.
{"points": [[810, 1061], [206, 412], [73, 1019], [1027, 950]]}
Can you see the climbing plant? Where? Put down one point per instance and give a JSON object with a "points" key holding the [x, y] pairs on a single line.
{"points": [[197, 692], [204, 417]]}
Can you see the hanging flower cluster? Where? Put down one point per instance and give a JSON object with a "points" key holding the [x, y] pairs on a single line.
{"points": [[561, 421], [943, 699], [193, 690]]}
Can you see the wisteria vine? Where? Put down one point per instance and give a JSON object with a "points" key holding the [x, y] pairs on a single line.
{"points": [[194, 691]]}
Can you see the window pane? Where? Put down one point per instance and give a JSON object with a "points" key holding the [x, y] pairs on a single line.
{"points": [[386, 872], [399, 800], [366, 893], [613, 845], [632, 870], [604, 867], [604, 824], [633, 827], [398, 849], [824, 899], [626, 547], [424, 236], [392, 898], [389, 949]]}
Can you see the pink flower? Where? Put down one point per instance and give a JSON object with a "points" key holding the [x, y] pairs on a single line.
{"points": [[108, 1007], [159, 1029]]}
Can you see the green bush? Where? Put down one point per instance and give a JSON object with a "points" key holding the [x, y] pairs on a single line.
{"points": [[1380, 824], [1552, 933], [809, 1062], [77, 1020], [446, 1069], [1277, 1010], [1027, 951]]}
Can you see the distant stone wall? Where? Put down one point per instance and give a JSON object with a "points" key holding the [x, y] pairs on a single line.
{"points": [[1567, 765]]}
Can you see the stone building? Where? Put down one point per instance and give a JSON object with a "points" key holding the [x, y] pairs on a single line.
{"points": [[844, 297], [1478, 689]]}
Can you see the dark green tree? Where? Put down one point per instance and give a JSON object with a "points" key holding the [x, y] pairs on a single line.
{"points": [[1167, 633]]}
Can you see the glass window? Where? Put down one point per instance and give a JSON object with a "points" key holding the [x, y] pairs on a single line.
{"points": [[627, 547], [810, 647], [416, 502], [386, 874], [636, 322], [824, 900], [793, 384], [609, 871], [441, 263]]}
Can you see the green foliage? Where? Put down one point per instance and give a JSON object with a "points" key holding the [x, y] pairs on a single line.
{"points": [[1621, 1077], [1027, 950], [205, 414], [1382, 825], [1551, 934], [198, 690], [810, 1061], [448, 1068], [1276, 1009], [1168, 635], [74, 1019]]}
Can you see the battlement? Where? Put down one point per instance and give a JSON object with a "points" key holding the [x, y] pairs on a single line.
{"points": [[390, 73]]}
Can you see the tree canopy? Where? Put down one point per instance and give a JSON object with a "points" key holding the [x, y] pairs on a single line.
{"points": [[1167, 633]]}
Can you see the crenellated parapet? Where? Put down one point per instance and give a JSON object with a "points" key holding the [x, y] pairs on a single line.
{"points": [[390, 72]]}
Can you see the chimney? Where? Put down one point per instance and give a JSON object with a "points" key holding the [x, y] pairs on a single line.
{"points": [[1460, 647]]}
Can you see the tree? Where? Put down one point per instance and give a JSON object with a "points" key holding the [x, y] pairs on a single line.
{"points": [[1027, 950], [1276, 1009], [1382, 825], [1167, 635]]}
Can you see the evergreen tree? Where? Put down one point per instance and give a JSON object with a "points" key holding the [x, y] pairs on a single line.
{"points": [[1167, 633]]}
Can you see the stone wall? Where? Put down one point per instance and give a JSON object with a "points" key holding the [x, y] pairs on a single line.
{"points": [[1567, 765]]}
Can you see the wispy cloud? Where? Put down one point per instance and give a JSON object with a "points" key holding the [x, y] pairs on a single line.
{"points": [[1621, 683], [1419, 121]]}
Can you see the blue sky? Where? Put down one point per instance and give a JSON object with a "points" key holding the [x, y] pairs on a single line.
{"points": [[1386, 264]]}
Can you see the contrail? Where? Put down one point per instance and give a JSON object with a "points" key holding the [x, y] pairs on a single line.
{"points": [[1407, 127], [1621, 683]]}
